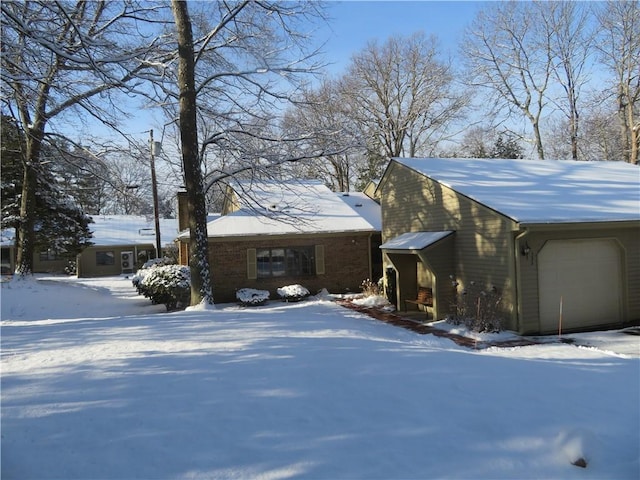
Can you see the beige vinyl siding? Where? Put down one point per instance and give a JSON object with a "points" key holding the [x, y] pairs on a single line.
{"points": [[483, 251], [630, 239], [440, 261]]}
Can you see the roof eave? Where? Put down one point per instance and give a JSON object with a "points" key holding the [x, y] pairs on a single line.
{"points": [[579, 224]]}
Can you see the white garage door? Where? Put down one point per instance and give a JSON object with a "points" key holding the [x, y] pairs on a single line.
{"points": [[586, 274]]}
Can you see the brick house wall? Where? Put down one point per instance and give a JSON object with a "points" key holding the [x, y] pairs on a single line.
{"points": [[347, 262]]}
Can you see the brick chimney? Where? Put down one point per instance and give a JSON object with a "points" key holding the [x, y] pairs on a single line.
{"points": [[183, 211]]}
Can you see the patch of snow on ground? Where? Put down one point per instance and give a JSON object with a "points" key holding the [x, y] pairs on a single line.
{"points": [[371, 301], [99, 383]]}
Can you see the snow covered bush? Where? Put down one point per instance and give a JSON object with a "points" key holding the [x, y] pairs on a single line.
{"points": [[169, 285], [293, 293], [146, 269], [250, 297], [71, 268], [478, 308]]}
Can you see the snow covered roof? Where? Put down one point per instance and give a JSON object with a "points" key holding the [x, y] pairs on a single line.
{"points": [[110, 230], [415, 240], [532, 191], [131, 230], [280, 208]]}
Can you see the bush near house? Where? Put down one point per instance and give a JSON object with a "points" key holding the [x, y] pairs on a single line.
{"points": [[169, 285], [250, 297], [71, 268], [293, 293], [476, 307], [146, 269]]}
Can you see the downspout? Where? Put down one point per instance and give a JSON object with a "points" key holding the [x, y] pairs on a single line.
{"points": [[516, 251]]}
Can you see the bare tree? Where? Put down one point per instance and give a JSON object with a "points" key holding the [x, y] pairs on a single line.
{"points": [[476, 142], [238, 64], [486, 142], [402, 94], [601, 139], [619, 48], [60, 61], [322, 113], [567, 26], [509, 54]]}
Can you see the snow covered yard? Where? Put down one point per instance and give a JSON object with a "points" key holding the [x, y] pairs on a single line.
{"points": [[99, 383]]}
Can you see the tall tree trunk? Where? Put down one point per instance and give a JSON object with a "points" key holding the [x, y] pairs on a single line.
{"points": [[538, 140], [26, 229], [196, 206], [631, 133]]}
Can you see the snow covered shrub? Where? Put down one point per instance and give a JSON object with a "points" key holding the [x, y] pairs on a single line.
{"points": [[477, 308], [169, 285], [370, 289], [250, 297], [71, 268], [146, 269], [293, 293]]}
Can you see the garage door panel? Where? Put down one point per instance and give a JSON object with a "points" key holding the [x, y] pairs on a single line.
{"points": [[586, 275]]}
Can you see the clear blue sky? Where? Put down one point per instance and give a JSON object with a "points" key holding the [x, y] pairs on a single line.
{"points": [[354, 23]]}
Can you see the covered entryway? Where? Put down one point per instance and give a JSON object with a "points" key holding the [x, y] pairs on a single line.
{"points": [[422, 259], [587, 276]]}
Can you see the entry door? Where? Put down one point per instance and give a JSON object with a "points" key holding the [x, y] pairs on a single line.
{"points": [[586, 274]]}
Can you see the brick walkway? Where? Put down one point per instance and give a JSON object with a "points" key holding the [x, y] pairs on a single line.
{"points": [[422, 329]]}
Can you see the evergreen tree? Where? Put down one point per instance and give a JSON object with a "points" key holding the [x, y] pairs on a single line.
{"points": [[506, 146], [12, 151], [61, 227]]}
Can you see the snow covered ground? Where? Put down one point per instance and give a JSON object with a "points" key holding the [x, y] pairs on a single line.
{"points": [[99, 383]]}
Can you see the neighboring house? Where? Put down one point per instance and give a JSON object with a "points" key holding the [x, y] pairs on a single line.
{"points": [[44, 261], [556, 238], [273, 234], [7, 252], [122, 243]]}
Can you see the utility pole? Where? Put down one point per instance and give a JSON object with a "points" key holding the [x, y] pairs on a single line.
{"points": [[154, 185]]}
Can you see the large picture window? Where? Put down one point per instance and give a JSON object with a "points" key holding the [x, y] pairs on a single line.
{"points": [[106, 258], [280, 262]]}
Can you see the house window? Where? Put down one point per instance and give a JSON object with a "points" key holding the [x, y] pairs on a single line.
{"points": [[280, 262], [105, 258], [48, 256]]}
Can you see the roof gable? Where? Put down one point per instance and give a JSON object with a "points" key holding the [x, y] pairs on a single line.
{"points": [[531, 191]]}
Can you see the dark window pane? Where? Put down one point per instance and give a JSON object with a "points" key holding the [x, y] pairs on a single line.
{"points": [[105, 258], [279, 262]]}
